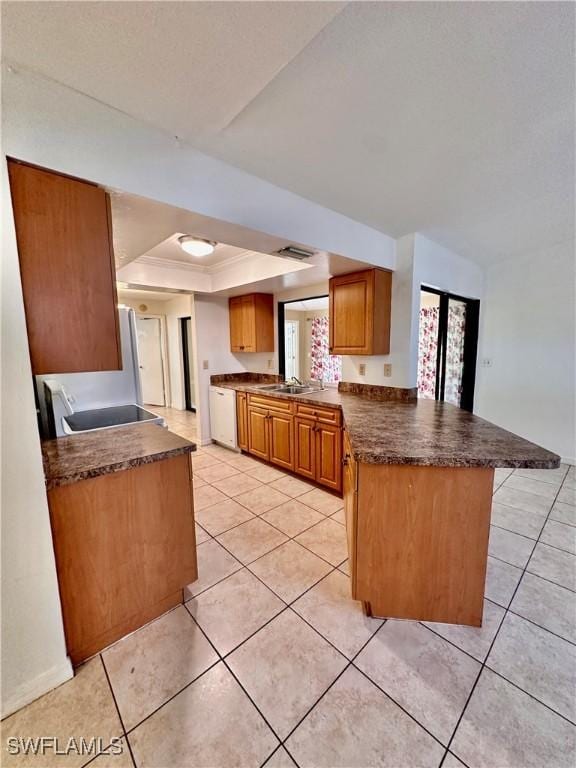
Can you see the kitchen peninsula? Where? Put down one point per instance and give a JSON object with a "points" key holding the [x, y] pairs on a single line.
{"points": [[417, 485], [122, 518]]}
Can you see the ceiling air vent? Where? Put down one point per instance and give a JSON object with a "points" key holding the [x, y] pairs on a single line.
{"points": [[292, 252]]}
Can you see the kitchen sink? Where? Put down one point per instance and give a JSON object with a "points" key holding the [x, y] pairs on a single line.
{"points": [[288, 389], [294, 389]]}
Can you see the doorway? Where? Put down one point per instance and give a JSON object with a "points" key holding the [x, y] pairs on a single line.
{"points": [[187, 364], [447, 347], [303, 341], [292, 349], [151, 359]]}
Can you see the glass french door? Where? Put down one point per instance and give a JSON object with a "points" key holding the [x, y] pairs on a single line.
{"points": [[447, 345]]}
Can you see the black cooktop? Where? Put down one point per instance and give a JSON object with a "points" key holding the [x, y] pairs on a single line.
{"points": [[115, 416]]}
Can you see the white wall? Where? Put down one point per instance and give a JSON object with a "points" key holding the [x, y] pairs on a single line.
{"points": [[33, 649], [528, 333], [419, 262], [55, 127], [212, 333]]}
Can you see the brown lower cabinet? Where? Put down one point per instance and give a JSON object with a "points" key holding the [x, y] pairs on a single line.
{"points": [[242, 419], [125, 548], [298, 437], [418, 539]]}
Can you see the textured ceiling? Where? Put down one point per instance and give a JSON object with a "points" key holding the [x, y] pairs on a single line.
{"points": [[188, 67], [452, 119]]}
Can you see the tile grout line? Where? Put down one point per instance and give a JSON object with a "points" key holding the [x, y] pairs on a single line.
{"points": [[519, 568], [483, 664], [222, 659], [124, 732], [289, 606], [506, 610]]}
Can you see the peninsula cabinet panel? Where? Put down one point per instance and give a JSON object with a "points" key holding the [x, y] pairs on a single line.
{"points": [[251, 323], [125, 548], [63, 231], [305, 448], [258, 442], [242, 420], [329, 456], [359, 317], [422, 542], [281, 440]]}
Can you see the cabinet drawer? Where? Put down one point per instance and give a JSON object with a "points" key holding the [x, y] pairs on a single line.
{"points": [[327, 415], [271, 403]]}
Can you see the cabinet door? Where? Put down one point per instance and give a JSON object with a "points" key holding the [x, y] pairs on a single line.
{"points": [[350, 479], [305, 448], [248, 324], [281, 440], [350, 317], [63, 229], [236, 327], [329, 456], [242, 420], [258, 442]]}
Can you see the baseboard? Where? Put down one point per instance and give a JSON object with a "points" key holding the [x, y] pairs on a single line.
{"points": [[33, 689]]}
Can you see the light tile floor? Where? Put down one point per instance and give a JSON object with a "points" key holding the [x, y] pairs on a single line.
{"points": [[270, 662]]}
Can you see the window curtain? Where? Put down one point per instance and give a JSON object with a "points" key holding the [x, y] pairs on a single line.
{"points": [[455, 352], [323, 365], [427, 351]]}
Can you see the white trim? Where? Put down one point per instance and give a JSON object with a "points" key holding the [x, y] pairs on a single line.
{"points": [[33, 689]]}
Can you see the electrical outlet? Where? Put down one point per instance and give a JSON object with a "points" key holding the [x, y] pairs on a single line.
{"points": [[387, 370], [205, 365], [270, 364], [362, 369]]}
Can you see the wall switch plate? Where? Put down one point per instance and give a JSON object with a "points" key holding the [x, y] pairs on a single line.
{"points": [[387, 370], [270, 364], [362, 369], [205, 365]]}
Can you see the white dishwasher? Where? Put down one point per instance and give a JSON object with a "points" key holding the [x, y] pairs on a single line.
{"points": [[223, 416]]}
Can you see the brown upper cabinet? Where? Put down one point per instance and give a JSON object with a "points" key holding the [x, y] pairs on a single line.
{"points": [[252, 323], [64, 236], [359, 320]]}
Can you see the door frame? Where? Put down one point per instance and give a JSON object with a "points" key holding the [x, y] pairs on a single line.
{"points": [[186, 363], [470, 345], [281, 334], [163, 353]]}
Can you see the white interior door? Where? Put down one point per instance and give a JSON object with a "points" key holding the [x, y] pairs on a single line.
{"points": [[150, 360], [291, 349]]}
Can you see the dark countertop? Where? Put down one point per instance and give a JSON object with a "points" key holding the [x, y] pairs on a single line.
{"points": [[421, 432], [90, 454]]}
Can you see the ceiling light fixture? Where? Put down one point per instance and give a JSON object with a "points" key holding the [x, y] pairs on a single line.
{"points": [[196, 246]]}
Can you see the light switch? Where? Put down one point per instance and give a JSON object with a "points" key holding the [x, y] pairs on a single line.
{"points": [[387, 370]]}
